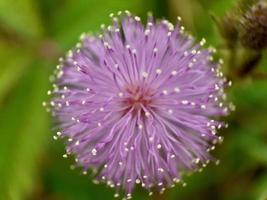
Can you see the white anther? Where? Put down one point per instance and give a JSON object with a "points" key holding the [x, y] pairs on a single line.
{"points": [[82, 36], [127, 12], [116, 195], [184, 102], [84, 172], [203, 107], [147, 114], [217, 162], [78, 45], [174, 72], [145, 74], [69, 54], [192, 103], [161, 169], [94, 151], [203, 41], [106, 44], [147, 31], [118, 184], [170, 111], [176, 89], [159, 146], [137, 18], [197, 160], [102, 26], [116, 65], [190, 65], [185, 53], [134, 51], [165, 92], [158, 71], [194, 52]]}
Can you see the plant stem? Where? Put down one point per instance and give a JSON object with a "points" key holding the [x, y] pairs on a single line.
{"points": [[249, 65]]}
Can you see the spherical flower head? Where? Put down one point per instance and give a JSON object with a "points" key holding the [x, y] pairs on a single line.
{"points": [[138, 104]]}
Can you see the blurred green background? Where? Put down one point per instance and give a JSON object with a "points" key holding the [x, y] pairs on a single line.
{"points": [[35, 33]]}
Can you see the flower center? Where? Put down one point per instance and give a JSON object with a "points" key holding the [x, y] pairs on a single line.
{"points": [[137, 99]]}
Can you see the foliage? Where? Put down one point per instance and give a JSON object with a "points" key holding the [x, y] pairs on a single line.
{"points": [[34, 34]]}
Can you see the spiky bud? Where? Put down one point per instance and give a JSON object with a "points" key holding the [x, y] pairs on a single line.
{"points": [[253, 29], [228, 27]]}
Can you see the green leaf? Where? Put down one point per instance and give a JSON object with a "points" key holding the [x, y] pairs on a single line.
{"points": [[259, 188], [14, 62], [23, 127], [77, 16], [21, 16]]}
